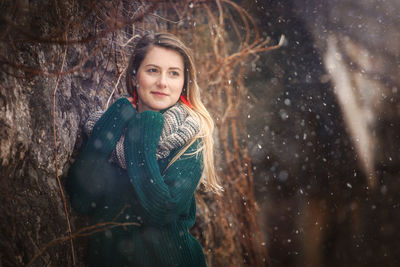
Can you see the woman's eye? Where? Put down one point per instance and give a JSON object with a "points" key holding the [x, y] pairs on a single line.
{"points": [[152, 70], [174, 73]]}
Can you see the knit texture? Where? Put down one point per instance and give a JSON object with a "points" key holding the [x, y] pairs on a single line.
{"points": [[179, 128], [164, 205]]}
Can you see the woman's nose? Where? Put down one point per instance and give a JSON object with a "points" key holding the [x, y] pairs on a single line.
{"points": [[162, 82]]}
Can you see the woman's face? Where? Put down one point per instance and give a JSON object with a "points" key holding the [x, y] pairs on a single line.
{"points": [[159, 79]]}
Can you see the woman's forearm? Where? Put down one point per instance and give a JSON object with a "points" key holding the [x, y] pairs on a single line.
{"points": [[162, 197], [88, 177]]}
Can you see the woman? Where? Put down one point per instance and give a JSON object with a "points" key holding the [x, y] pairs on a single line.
{"points": [[144, 159]]}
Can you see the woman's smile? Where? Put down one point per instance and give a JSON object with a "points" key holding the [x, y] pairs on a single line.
{"points": [[159, 94]]}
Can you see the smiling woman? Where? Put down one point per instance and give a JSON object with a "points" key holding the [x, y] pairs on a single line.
{"points": [[143, 161], [160, 79]]}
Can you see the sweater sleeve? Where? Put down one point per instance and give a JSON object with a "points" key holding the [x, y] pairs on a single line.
{"points": [[88, 178], [162, 197]]}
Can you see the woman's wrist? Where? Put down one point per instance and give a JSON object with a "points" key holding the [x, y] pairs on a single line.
{"points": [[109, 128], [144, 131]]}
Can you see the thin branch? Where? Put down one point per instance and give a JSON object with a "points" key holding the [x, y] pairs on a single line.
{"points": [[51, 73], [171, 21], [86, 231], [56, 159], [115, 87], [114, 25]]}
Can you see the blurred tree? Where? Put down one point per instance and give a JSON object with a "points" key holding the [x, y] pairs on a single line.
{"points": [[326, 150]]}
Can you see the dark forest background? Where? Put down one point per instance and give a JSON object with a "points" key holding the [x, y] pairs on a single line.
{"points": [[307, 131]]}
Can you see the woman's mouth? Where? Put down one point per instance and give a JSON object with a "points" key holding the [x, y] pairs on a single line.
{"points": [[159, 94]]}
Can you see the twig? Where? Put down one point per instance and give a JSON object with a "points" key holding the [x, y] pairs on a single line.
{"points": [[115, 87], [171, 21], [86, 231], [56, 159]]}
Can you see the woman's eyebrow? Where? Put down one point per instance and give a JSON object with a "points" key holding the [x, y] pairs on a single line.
{"points": [[175, 68], [154, 65]]}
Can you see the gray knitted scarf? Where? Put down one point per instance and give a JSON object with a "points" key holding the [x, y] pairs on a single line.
{"points": [[179, 128]]}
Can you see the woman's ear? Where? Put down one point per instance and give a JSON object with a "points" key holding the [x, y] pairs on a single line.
{"points": [[134, 82]]}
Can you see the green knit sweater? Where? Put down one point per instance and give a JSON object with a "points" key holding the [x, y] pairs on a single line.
{"points": [[161, 201]]}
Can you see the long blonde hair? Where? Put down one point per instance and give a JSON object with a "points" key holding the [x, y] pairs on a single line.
{"points": [[191, 91]]}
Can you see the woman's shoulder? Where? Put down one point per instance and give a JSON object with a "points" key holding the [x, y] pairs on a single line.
{"points": [[193, 152], [190, 161], [196, 146]]}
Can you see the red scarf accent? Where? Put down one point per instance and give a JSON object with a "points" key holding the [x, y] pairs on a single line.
{"points": [[135, 99], [185, 101]]}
